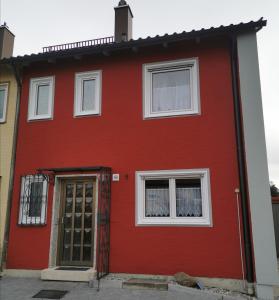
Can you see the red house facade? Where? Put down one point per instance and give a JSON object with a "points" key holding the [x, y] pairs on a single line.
{"points": [[128, 161]]}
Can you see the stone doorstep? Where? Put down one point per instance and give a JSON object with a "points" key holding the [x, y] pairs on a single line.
{"points": [[68, 275], [154, 284]]}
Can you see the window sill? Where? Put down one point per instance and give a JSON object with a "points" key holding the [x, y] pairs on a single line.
{"points": [[191, 222], [31, 225], [89, 114], [172, 114], [46, 118]]}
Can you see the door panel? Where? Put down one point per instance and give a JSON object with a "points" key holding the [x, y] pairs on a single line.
{"points": [[77, 222]]}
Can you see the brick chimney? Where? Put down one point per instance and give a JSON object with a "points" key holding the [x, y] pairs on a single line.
{"points": [[6, 42], [123, 22]]}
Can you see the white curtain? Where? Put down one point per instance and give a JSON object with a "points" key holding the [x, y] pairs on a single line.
{"points": [[89, 87], [171, 91], [43, 99], [188, 202], [157, 203]]}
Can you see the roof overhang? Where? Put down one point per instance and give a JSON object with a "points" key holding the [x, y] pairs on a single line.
{"points": [[107, 49]]}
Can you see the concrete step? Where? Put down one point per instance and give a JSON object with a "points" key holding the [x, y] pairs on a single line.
{"points": [[68, 274], [139, 283]]}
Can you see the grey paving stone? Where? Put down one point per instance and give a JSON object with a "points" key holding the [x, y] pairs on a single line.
{"points": [[25, 288]]}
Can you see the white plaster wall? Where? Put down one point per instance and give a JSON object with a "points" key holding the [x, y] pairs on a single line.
{"points": [[256, 160]]}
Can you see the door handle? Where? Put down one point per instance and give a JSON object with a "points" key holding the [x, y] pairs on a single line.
{"points": [[60, 221]]}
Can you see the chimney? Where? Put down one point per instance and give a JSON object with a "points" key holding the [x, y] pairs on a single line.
{"points": [[123, 22], [6, 42]]}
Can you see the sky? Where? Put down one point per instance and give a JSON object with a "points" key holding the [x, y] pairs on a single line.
{"points": [[39, 23]]}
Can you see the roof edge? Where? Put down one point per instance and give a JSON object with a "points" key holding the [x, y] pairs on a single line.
{"points": [[231, 29]]}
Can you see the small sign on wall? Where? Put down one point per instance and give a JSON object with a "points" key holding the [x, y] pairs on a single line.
{"points": [[115, 177]]}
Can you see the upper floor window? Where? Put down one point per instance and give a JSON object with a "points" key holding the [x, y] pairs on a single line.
{"points": [[41, 94], [171, 88], [88, 93], [3, 101], [174, 197]]}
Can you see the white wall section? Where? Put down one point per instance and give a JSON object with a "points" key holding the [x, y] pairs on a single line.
{"points": [[257, 170]]}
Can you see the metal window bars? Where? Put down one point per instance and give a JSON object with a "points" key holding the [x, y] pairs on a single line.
{"points": [[103, 230], [33, 200], [81, 44]]}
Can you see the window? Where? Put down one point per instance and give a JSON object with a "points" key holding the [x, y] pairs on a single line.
{"points": [[176, 197], [41, 96], [171, 88], [3, 101], [33, 199], [88, 93]]}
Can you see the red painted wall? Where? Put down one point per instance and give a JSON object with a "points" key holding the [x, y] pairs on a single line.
{"points": [[121, 139]]}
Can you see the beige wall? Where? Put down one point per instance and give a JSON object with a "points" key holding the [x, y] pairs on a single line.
{"points": [[6, 144]]}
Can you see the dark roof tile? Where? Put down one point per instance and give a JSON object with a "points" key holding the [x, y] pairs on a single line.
{"points": [[140, 42]]}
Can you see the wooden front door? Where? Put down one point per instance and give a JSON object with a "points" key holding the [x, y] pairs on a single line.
{"points": [[77, 215]]}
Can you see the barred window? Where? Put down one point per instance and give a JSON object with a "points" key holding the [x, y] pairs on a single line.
{"points": [[33, 200]]}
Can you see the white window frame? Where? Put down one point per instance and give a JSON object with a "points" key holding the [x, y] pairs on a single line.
{"points": [[4, 87], [183, 64], [79, 78], [23, 217], [33, 92], [173, 220]]}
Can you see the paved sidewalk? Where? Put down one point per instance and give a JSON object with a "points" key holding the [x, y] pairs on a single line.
{"points": [[24, 288]]}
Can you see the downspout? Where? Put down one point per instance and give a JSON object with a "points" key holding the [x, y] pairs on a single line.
{"points": [[12, 170], [242, 168]]}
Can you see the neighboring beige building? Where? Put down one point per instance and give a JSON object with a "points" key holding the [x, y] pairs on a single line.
{"points": [[8, 96]]}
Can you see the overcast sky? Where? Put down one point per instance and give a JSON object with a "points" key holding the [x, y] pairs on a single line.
{"points": [[38, 23]]}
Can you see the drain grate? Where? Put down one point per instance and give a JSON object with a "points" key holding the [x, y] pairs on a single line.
{"points": [[50, 294], [72, 268]]}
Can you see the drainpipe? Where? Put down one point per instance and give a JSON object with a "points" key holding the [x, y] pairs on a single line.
{"points": [[242, 168], [11, 179]]}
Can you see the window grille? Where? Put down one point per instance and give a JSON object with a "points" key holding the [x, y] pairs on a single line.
{"points": [[33, 200], [103, 241]]}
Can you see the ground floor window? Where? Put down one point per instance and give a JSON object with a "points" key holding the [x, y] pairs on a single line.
{"points": [[174, 197], [33, 200]]}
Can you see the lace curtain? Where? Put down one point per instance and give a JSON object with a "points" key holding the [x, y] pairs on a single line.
{"points": [[171, 91], [188, 202], [157, 203]]}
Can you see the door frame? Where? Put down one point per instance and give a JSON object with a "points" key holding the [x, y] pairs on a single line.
{"points": [[56, 213]]}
